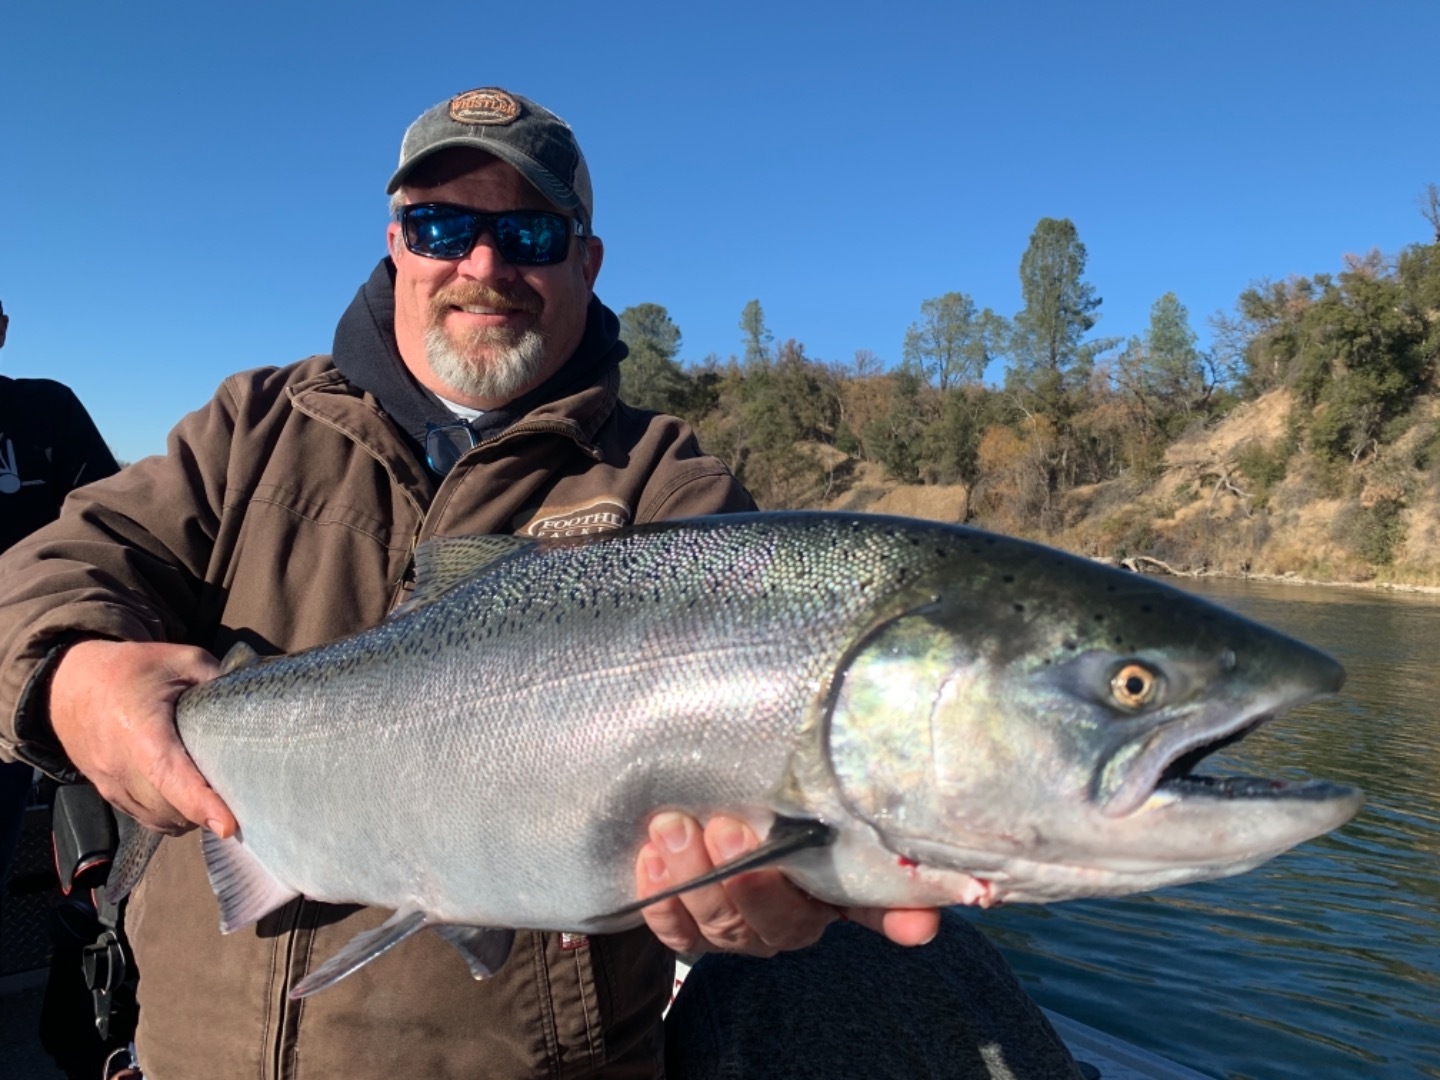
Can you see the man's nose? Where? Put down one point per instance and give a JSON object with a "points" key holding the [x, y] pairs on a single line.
{"points": [[484, 261]]}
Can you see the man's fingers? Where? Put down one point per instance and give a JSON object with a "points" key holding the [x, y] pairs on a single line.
{"points": [[180, 787], [112, 705], [668, 920], [781, 914], [677, 840], [903, 926]]}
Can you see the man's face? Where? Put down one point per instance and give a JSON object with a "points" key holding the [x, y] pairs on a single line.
{"points": [[479, 330]]}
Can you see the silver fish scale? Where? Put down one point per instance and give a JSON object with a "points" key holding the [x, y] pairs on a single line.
{"points": [[492, 757]]}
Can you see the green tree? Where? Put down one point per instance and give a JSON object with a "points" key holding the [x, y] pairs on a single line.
{"points": [[650, 377], [952, 343], [1049, 356], [755, 334], [1166, 374]]}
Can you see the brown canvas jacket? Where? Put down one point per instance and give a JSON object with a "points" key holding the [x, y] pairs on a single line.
{"points": [[285, 514]]}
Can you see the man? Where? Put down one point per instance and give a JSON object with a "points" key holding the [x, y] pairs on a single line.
{"points": [[48, 447], [472, 390]]}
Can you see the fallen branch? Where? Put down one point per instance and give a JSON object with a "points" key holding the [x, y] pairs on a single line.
{"points": [[1144, 564]]}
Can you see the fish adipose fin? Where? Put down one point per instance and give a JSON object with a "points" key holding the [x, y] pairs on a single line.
{"points": [[485, 948], [446, 561], [787, 836], [360, 950], [246, 889], [136, 845]]}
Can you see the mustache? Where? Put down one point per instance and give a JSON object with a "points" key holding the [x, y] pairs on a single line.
{"points": [[478, 295]]}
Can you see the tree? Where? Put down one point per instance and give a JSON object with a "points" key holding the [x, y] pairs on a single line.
{"points": [[756, 335], [651, 378], [1430, 207], [1166, 374], [1046, 345], [953, 343]]}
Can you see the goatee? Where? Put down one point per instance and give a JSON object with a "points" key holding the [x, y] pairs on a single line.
{"points": [[494, 363]]}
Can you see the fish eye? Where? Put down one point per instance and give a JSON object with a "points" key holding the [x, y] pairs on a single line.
{"points": [[1134, 686]]}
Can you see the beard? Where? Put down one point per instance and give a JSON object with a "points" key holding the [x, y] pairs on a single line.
{"points": [[495, 363]]}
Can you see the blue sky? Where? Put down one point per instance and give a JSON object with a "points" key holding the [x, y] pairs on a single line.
{"points": [[188, 190]]}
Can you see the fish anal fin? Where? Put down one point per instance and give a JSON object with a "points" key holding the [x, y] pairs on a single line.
{"points": [[787, 836], [240, 655], [485, 948], [246, 890], [132, 855], [359, 951], [443, 562]]}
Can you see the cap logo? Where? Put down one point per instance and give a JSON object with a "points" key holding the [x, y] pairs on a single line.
{"points": [[484, 107]]}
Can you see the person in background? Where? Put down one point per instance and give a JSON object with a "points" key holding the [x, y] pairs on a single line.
{"points": [[49, 446], [472, 388]]}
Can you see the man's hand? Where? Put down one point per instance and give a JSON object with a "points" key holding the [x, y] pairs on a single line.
{"points": [[112, 705], [759, 913]]}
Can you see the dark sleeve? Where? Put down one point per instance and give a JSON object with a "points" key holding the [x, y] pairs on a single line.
{"points": [[81, 457]]}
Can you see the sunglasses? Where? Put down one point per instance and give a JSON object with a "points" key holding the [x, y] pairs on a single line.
{"points": [[445, 444], [523, 237]]}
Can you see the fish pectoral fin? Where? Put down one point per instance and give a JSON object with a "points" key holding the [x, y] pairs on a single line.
{"points": [[132, 854], [359, 951], [787, 836], [485, 948], [246, 890]]}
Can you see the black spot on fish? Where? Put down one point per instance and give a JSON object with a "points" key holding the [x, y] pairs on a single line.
{"points": [[1009, 579], [1099, 617], [1019, 608], [1070, 643]]}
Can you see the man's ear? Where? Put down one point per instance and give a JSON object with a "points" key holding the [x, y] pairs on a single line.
{"points": [[393, 240], [595, 247]]}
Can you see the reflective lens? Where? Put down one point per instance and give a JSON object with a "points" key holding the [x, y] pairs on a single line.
{"points": [[523, 237], [445, 444]]}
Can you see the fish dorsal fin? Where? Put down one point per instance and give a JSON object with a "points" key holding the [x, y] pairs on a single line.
{"points": [[359, 951], [239, 656], [132, 854], [247, 891], [485, 948], [787, 836], [445, 561]]}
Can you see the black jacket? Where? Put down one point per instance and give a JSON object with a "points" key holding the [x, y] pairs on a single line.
{"points": [[49, 446]]}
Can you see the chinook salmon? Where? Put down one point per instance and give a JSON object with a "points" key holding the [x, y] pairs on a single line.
{"points": [[909, 713]]}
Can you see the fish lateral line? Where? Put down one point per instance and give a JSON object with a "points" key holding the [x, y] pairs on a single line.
{"points": [[787, 836]]}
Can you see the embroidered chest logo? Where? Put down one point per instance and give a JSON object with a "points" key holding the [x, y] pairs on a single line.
{"points": [[10, 480], [602, 515]]}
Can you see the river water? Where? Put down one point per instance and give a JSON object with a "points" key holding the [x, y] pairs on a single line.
{"points": [[1326, 961]]}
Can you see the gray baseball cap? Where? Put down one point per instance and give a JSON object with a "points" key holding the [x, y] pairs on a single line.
{"points": [[539, 145]]}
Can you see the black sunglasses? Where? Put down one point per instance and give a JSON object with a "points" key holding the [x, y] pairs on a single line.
{"points": [[523, 237], [445, 444]]}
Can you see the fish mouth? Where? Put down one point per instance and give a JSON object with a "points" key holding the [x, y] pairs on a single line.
{"points": [[1164, 769]]}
